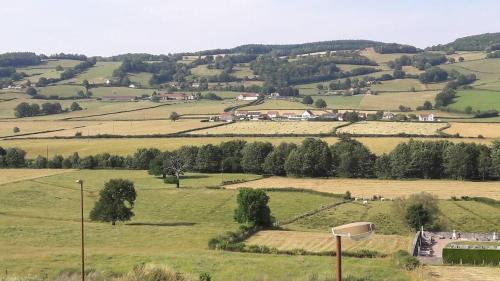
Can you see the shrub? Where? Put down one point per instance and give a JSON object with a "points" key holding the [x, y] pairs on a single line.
{"points": [[471, 256], [406, 261]]}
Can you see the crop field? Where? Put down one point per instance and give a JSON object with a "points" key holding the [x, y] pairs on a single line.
{"points": [[324, 241], [452, 273], [125, 146], [15, 175], [272, 128], [477, 99], [367, 188], [392, 128], [171, 226], [31, 127], [392, 101], [121, 128], [472, 130]]}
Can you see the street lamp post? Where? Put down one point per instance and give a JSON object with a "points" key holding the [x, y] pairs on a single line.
{"points": [[83, 245], [355, 231]]}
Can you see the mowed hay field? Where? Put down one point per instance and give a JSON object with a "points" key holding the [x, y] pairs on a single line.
{"points": [[272, 128], [472, 130], [453, 273], [32, 127], [124, 128], [14, 175], [366, 188], [392, 128], [39, 229], [126, 146], [324, 241]]}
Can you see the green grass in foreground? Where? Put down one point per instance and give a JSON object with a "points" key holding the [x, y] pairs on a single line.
{"points": [[39, 229], [478, 100]]}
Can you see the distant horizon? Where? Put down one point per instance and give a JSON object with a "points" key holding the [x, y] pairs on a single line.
{"points": [[113, 27]]}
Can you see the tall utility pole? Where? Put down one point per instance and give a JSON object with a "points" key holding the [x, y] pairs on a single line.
{"points": [[83, 242], [339, 257]]}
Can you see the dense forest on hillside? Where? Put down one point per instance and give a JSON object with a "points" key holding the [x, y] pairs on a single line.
{"points": [[479, 42]]}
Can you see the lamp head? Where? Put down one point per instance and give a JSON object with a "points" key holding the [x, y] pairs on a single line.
{"points": [[79, 181], [355, 230]]}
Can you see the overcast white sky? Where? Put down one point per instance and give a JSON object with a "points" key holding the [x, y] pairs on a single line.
{"points": [[109, 27]]}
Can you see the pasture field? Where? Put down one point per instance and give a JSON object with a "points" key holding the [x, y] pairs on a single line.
{"points": [[278, 104], [203, 71], [468, 56], [272, 128], [472, 130], [243, 71], [126, 146], [46, 69], [98, 74], [121, 128], [381, 58], [120, 91], [392, 128], [163, 111], [392, 100], [324, 241], [61, 90], [15, 175], [464, 216], [141, 78], [39, 230], [477, 99], [487, 71], [452, 273], [399, 85], [340, 102], [30, 127], [366, 188]]}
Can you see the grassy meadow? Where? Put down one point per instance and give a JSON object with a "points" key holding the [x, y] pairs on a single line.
{"points": [[477, 100], [171, 227]]}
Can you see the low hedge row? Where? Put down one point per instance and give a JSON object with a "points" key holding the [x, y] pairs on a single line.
{"points": [[471, 256]]}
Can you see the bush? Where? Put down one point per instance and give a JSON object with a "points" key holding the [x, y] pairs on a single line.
{"points": [[471, 256], [406, 261]]}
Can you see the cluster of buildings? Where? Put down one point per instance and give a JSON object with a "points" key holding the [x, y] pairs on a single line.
{"points": [[273, 115], [422, 117], [159, 97]]}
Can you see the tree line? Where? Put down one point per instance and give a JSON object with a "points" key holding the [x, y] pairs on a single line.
{"points": [[25, 109], [312, 158]]}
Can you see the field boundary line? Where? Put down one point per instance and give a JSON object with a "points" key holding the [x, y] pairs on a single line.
{"points": [[313, 212], [37, 177]]}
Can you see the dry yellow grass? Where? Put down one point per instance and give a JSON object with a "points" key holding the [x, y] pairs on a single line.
{"points": [[322, 242], [453, 273], [272, 128], [392, 128], [366, 188], [392, 101], [125, 146], [28, 127], [125, 128], [487, 130], [14, 175]]}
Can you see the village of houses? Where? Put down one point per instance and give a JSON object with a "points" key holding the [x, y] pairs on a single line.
{"points": [[278, 115]]}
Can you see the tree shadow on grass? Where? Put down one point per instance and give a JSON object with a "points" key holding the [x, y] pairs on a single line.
{"points": [[186, 177], [161, 224]]}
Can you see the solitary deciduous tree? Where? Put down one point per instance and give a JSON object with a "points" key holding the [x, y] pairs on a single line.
{"points": [[115, 202], [253, 208], [174, 116], [174, 165]]}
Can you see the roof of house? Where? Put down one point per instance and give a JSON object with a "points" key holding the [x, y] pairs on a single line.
{"points": [[308, 112], [425, 114], [273, 113]]}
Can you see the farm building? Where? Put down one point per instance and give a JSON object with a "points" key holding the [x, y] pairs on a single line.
{"points": [[388, 116], [241, 113], [173, 96], [248, 97], [273, 114], [226, 117], [328, 115], [308, 115], [424, 117], [254, 115]]}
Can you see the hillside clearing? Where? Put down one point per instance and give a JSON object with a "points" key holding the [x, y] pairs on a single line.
{"points": [[366, 188]]}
